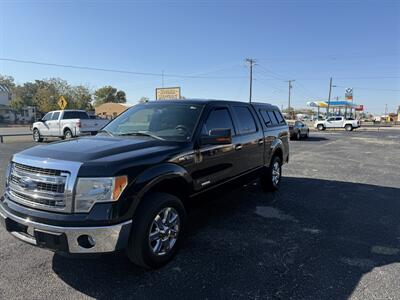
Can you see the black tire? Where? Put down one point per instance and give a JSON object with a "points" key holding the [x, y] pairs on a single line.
{"points": [[67, 134], [139, 248], [36, 136], [320, 127], [349, 127], [267, 182], [307, 134]]}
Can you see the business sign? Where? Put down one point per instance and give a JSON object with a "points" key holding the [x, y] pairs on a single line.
{"points": [[62, 103], [170, 93], [360, 108], [349, 94]]}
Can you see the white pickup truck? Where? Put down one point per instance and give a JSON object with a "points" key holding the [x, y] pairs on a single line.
{"points": [[337, 122], [66, 124]]}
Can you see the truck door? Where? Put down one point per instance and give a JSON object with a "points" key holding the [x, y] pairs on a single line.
{"points": [[44, 125], [249, 141], [216, 163], [330, 122], [54, 124]]}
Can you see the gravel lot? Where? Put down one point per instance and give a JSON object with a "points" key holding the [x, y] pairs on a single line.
{"points": [[331, 232]]}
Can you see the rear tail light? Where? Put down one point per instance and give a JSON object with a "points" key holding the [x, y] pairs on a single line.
{"points": [[79, 125]]}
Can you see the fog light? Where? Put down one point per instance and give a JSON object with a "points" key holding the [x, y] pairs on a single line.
{"points": [[86, 241]]}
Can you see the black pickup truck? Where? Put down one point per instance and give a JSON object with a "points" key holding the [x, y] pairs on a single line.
{"points": [[126, 188]]}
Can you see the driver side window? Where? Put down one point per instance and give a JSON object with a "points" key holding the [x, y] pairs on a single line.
{"points": [[47, 117], [219, 118]]}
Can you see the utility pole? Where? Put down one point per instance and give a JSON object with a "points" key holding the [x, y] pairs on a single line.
{"points": [[290, 87], [251, 63], [329, 98]]}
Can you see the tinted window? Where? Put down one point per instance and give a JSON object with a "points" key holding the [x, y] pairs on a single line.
{"points": [[55, 116], [47, 116], [331, 119], [265, 117], [272, 117], [75, 115], [338, 118], [218, 119], [245, 120], [279, 117]]}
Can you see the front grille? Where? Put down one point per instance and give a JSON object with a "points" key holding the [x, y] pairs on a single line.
{"points": [[38, 187], [41, 186], [36, 170]]}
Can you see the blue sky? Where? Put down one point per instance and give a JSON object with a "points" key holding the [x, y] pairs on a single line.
{"points": [[355, 42]]}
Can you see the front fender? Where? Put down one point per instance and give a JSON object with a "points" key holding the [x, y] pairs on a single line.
{"points": [[151, 177]]}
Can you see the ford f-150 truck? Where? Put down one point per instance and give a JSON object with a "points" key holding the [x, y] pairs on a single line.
{"points": [[126, 188], [337, 122], [66, 124]]}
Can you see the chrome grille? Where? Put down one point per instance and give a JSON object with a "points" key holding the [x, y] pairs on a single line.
{"points": [[36, 170], [38, 187]]}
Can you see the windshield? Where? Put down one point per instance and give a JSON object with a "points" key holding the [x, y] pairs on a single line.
{"points": [[167, 121]]}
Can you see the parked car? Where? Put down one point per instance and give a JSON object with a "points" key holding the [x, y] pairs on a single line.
{"points": [[66, 124], [127, 187], [337, 122], [298, 130]]}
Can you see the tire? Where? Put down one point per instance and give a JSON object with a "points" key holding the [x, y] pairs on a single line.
{"points": [[141, 251], [307, 134], [348, 127], [320, 127], [268, 178], [67, 134], [36, 136]]}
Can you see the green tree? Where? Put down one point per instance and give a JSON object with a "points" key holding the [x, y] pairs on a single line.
{"points": [[108, 94]]}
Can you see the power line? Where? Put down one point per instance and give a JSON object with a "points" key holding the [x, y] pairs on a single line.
{"points": [[116, 70], [373, 89]]}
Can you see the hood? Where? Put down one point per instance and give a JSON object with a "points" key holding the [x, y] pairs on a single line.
{"points": [[101, 149]]}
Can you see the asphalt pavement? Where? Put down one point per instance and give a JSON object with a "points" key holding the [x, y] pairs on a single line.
{"points": [[331, 232]]}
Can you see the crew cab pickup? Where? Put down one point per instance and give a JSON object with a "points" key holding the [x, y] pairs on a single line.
{"points": [[337, 122], [66, 124], [127, 187]]}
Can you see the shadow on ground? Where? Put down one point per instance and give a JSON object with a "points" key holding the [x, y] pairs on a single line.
{"points": [[312, 239]]}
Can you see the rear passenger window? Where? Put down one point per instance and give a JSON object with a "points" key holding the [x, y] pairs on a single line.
{"points": [[279, 117], [245, 120], [272, 117], [265, 117], [219, 118]]}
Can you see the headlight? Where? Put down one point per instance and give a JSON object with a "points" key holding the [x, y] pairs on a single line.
{"points": [[90, 191], [8, 173]]}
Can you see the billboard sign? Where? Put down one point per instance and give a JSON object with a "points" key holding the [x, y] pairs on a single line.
{"points": [[170, 93], [349, 94]]}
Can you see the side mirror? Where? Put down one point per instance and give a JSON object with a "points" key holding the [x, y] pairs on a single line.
{"points": [[217, 137]]}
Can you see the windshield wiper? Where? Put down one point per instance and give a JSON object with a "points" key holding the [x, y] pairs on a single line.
{"points": [[141, 133]]}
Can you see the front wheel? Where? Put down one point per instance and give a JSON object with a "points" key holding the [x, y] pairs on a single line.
{"points": [[36, 136], [320, 127], [271, 178], [157, 230]]}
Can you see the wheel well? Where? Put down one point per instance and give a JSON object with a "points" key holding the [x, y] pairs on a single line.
{"points": [[174, 186], [65, 129]]}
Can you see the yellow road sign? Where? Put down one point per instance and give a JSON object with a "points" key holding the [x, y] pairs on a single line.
{"points": [[62, 103]]}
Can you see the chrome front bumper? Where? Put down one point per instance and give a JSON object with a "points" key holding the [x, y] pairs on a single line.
{"points": [[105, 238]]}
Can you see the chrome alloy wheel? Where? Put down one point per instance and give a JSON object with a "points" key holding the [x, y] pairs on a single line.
{"points": [[276, 173], [164, 231]]}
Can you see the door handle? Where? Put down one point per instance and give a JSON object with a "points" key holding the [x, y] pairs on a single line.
{"points": [[261, 141], [238, 147]]}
